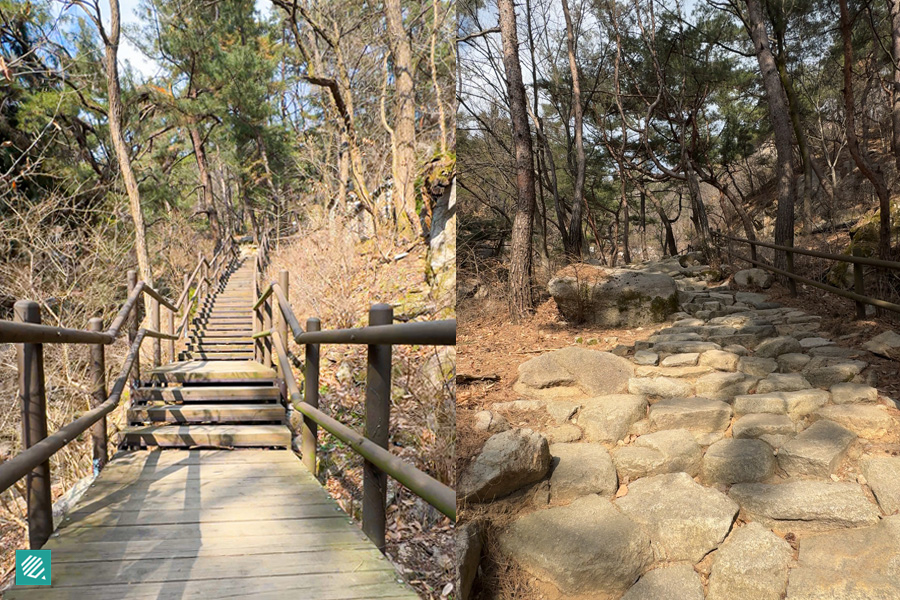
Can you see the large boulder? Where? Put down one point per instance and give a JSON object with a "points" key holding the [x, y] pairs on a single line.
{"points": [[613, 297], [587, 547], [468, 541], [574, 373], [508, 461], [754, 277], [885, 344]]}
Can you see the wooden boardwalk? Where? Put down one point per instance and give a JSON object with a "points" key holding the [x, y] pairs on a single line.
{"points": [[210, 524]]}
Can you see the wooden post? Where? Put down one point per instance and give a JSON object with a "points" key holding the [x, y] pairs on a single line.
{"points": [[267, 326], [133, 325], [98, 397], [284, 281], [378, 422], [792, 285], [33, 402], [186, 308], [310, 430], [859, 286], [203, 274], [170, 329], [154, 325]]}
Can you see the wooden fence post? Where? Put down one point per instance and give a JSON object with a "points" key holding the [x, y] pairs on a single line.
{"points": [[310, 430], [33, 402], [792, 285], [284, 281], [98, 397], [859, 285], [133, 323], [186, 307], [170, 329], [154, 325], [378, 422], [267, 326], [202, 283]]}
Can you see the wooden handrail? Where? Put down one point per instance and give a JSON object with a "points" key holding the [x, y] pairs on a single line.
{"points": [[860, 260]]}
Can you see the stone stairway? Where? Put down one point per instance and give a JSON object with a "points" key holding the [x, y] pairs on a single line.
{"points": [[216, 395], [738, 453]]}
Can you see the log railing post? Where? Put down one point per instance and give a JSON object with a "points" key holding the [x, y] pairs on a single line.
{"points": [[283, 282], [204, 273], [267, 326], [378, 421], [154, 325], [33, 402], [309, 433], [170, 329], [98, 397], [133, 324], [186, 307], [792, 285]]}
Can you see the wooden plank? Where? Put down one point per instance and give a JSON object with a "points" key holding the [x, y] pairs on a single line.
{"points": [[197, 413], [111, 517], [187, 473], [196, 457], [207, 393], [382, 585], [209, 435]]}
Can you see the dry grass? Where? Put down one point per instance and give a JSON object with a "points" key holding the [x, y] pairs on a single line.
{"points": [[336, 277]]}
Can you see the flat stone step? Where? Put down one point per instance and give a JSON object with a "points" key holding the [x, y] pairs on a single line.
{"points": [[202, 371], [208, 413], [207, 394], [218, 436]]}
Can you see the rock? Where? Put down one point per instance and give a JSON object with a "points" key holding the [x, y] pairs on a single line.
{"points": [[751, 298], [663, 387], [816, 451], [866, 421], [508, 461], [685, 347], [825, 377], [580, 470], [720, 360], [562, 410], [723, 386], [757, 425], [792, 362], [782, 382], [668, 451], [754, 277], [574, 372], [752, 564], [646, 357], [564, 433], [677, 372], [804, 402], [805, 505], [883, 477], [675, 337], [678, 581], [587, 547], [680, 360], [737, 461], [775, 347], [522, 405], [796, 404], [836, 352], [487, 420], [857, 564], [696, 414], [756, 366], [853, 393], [468, 541], [608, 418], [613, 297], [814, 342], [684, 519], [885, 344], [641, 427], [736, 349]]}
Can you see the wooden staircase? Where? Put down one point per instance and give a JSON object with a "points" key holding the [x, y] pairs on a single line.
{"points": [[216, 395]]}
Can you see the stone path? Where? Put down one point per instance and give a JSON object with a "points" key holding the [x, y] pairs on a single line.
{"points": [[737, 454]]}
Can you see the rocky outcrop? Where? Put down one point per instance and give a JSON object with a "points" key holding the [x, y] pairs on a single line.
{"points": [[508, 461], [613, 297]]}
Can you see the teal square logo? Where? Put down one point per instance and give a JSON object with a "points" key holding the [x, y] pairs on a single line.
{"points": [[32, 567]]}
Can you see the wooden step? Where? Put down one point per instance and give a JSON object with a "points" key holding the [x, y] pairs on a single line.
{"points": [[207, 394], [200, 345], [208, 413], [214, 371], [197, 355], [224, 337], [219, 436]]}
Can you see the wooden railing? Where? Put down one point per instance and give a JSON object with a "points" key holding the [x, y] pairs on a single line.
{"points": [[379, 336], [30, 335], [858, 295]]}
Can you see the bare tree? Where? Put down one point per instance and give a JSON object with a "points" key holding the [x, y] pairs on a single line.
{"points": [[574, 239]]}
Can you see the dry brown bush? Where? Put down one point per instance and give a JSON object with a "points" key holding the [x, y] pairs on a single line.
{"points": [[336, 277]]}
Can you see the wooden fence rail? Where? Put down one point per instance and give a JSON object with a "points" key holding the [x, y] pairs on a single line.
{"points": [[858, 262], [379, 336], [30, 335]]}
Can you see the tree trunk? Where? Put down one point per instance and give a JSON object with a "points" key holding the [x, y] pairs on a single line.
{"points": [[118, 142], [575, 239], [206, 190], [872, 173], [404, 157], [781, 126], [895, 88], [521, 300]]}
